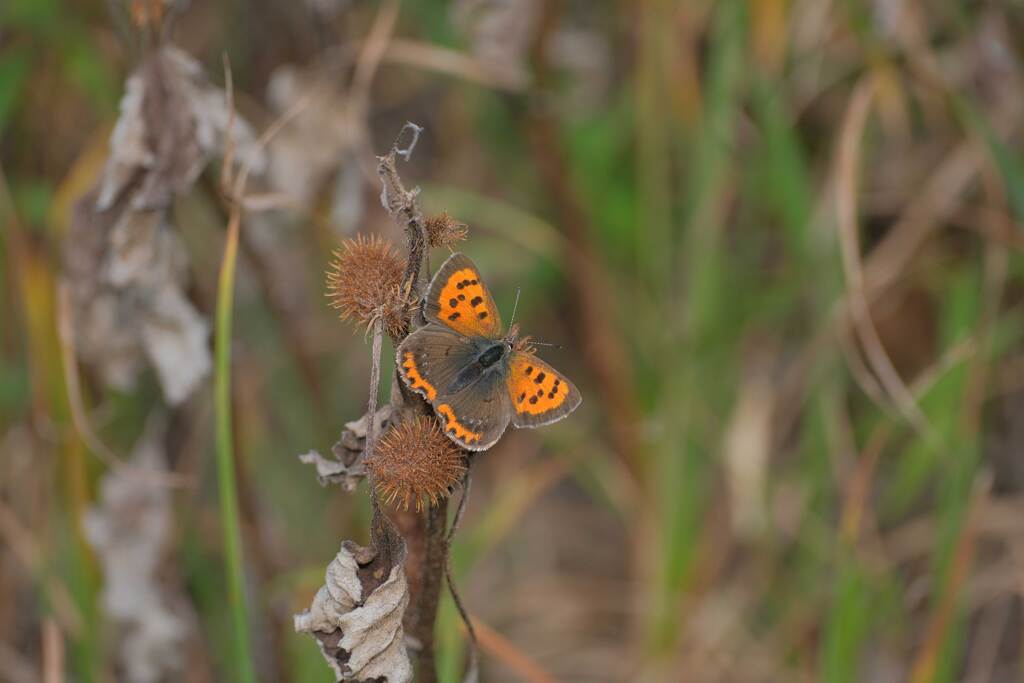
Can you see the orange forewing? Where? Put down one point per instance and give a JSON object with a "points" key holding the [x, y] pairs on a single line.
{"points": [[464, 304], [540, 394]]}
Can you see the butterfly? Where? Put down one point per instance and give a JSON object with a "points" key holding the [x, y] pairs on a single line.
{"points": [[476, 378]]}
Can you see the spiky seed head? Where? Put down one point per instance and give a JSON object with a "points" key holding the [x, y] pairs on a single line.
{"points": [[414, 463], [364, 282], [443, 230]]}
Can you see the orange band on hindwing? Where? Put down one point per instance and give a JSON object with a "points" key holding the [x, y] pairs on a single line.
{"points": [[454, 428], [416, 380]]}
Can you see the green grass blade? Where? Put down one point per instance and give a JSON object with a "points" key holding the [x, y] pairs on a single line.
{"points": [[225, 463]]}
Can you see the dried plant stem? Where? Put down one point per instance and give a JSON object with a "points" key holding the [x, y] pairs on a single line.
{"points": [[474, 659], [53, 652], [371, 404], [424, 534], [228, 491], [434, 560], [405, 210]]}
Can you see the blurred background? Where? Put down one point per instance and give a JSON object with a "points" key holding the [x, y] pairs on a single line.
{"points": [[779, 242]]}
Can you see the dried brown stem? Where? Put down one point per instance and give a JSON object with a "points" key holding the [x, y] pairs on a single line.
{"points": [[474, 663], [424, 533], [371, 404], [425, 605], [405, 210]]}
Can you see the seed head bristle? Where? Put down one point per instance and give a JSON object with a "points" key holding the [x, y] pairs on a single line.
{"points": [[443, 230], [364, 282], [147, 13], [414, 463]]}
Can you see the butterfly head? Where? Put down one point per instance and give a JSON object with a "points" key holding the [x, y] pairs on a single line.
{"points": [[516, 343]]}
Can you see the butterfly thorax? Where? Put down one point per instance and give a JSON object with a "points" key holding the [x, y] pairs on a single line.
{"points": [[494, 354], [491, 356]]}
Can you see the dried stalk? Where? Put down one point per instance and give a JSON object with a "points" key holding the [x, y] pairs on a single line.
{"points": [[371, 404], [473, 674], [423, 533], [425, 537]]}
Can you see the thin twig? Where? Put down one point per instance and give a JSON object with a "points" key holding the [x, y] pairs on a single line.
{"points": [[474, 658], [848, 164], [53, 652], [371, 404], [460, 511], [371, 51], [406, 153], [506, 652], [25, 549], [404, 208]]}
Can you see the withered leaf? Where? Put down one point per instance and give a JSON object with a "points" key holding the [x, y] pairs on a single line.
{"points": [[129, 529], [127, 285], [356, 616], [173, 120]]}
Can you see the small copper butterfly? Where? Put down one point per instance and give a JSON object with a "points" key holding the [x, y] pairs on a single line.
{"points": [[476, 379]]}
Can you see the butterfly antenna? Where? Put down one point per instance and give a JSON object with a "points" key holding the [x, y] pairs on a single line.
{"points": [[554, 346], [515, 306]]}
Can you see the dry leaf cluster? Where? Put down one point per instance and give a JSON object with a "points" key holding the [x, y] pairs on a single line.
{"points": [[127, 268], [356, 616]]}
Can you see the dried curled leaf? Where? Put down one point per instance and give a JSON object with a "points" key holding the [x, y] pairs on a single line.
{"points": [[128, 272], [129, 529], [127, 269], [173, 120], [356, 616], [347, 468]]}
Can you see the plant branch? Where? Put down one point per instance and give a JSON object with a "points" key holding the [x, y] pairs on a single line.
{"points": [[404, 208], [424, 534]]}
